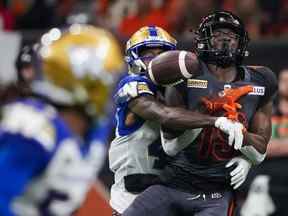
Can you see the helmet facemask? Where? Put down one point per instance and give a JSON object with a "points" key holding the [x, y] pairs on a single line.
{"points": [[224, 56]]}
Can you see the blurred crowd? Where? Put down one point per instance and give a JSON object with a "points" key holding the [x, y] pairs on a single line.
{"points": [[263, 18]]}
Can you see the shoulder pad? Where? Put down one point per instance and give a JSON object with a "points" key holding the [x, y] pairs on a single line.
{"points": [[268, 75], [20, 118], [133, 87]]}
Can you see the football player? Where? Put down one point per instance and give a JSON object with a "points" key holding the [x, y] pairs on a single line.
{"points": [[136, 156], [51, 146], [213, 81]]}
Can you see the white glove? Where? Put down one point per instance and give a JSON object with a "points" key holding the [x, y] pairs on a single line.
{"points": [[234, 130], [240, 172]]}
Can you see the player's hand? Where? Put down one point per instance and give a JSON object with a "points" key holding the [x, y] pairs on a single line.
{"points": [[240, 172], [234, 130]]}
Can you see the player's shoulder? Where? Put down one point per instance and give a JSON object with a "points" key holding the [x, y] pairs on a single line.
{"points": [[31, 119], [133, 86], [134, 78], [264, 76], [263, 71]]}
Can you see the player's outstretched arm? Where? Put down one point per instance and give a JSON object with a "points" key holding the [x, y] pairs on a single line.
{"points": [[177, 118], [257, 138]]}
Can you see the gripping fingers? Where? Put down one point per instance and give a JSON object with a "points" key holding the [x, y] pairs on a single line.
{"points": [[237, 178], [230, 163], [237, 170], [238, 184]]}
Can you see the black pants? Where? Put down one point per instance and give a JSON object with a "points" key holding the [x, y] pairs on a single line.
{"points": [[159, 200]]}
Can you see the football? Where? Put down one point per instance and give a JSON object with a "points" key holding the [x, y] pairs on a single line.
{"points": [[171, 67]]}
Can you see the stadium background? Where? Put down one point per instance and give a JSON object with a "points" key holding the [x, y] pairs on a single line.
{"points": [[24, 21]]}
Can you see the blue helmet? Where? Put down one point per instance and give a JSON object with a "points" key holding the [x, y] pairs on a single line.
{"points": [[146, 37]]}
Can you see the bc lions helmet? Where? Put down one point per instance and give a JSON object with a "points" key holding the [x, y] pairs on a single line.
{"points": [[221, 57], [146, 37], [79, 67]]}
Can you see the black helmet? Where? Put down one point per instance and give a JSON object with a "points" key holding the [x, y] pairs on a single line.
{"points": [[27, 57], [223, 57]]}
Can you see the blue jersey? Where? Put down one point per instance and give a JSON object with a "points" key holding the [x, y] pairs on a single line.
{"points": [[129, 88], [46, 169], [135, 155]]}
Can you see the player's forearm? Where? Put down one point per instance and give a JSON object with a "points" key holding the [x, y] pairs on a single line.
{"points": [[257, 141], [175, 118], [180, 119]]}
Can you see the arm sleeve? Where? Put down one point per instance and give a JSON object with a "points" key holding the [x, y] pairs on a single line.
{"points": [[20, 160]]}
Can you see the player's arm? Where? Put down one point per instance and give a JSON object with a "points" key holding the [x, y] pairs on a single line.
{"points": [[149, 108], [257, 138], [140, 95], [172, 119], [259, 133]]}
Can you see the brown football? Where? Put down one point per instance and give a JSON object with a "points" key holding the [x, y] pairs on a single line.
{"points": [[171, 67]]}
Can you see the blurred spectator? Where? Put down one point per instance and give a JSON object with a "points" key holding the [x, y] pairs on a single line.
{"points": [[6, 17], [279, 143], [283, 19], [196, 10], [40, 15], [141, 13], [273, 168], [270, 13], [63, 10], [176, 16], [249, 12]]}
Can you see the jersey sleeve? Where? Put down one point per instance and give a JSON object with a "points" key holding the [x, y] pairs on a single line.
{"points": [[268, 79], [27, 121], [20, 160], [133, 87]]}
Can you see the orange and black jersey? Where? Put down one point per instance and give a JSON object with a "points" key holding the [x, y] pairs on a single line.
{"points": [[202, 164]]}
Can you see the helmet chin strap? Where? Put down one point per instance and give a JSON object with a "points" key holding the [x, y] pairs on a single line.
{"points": [[224, 57], [138, 61], [226, 50]]}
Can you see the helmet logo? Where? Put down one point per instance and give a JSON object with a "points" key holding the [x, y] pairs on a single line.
{"points": [[87, 62], [200, 45], [222, 19], [236, 22]]}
